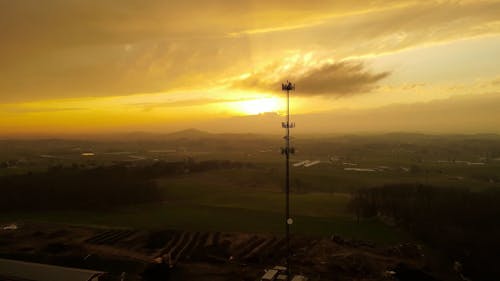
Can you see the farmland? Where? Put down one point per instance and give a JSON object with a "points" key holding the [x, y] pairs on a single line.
{"points": [[227, 206], [244, 190], [196, 185]]}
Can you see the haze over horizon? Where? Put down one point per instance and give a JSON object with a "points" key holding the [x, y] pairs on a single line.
{"points": [[93, 67]]}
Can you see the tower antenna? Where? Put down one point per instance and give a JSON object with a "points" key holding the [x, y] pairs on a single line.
{"points": [[287, 150]]}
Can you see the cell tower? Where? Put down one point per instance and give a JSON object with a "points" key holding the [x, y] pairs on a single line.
{"points": [[287, 150]]}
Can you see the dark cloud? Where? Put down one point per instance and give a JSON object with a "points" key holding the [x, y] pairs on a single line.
{"points": [[329, 79]]}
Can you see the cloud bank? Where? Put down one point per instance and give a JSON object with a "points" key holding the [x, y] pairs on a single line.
{"points": [[73, 48], [328, 79]]}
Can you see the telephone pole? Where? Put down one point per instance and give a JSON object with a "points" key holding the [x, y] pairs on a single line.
{"points": [[287, 150]]}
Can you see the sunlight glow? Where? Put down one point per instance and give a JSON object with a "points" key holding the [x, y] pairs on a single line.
{"points": [[258, 106]]}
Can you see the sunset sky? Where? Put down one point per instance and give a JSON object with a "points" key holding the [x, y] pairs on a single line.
{"points": [[102, 66]]}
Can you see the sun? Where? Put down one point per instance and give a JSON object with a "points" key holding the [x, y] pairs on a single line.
{"points": [[258, 106]]}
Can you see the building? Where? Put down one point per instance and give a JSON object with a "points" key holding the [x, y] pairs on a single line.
{"points": [[12, 270]]}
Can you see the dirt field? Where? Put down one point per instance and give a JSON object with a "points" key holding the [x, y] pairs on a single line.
{"points": [[212, 255]]}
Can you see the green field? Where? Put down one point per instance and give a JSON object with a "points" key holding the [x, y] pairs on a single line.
{"points": [[252, 199], [240, 200]]}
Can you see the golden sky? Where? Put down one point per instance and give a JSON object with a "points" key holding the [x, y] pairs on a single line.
{"points": [[94, 66]]}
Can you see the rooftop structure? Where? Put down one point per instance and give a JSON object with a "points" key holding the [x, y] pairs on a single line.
{"points": [[28, 271]]}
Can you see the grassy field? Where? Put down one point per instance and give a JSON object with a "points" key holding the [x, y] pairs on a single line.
{"points": [[209, 218], [240, 200], [251, 199]]}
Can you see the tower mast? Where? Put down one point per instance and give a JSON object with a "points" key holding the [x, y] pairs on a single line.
{"points": [[287, 150]]}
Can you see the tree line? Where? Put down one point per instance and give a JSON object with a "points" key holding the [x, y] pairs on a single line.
{"points": [[463, 224], [74, 187]]}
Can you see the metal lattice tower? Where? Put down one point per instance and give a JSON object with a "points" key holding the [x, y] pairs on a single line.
{"points": [[287, 150]]}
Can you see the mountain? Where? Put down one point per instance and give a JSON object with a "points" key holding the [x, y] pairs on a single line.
{"points": [[188, 134]]}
